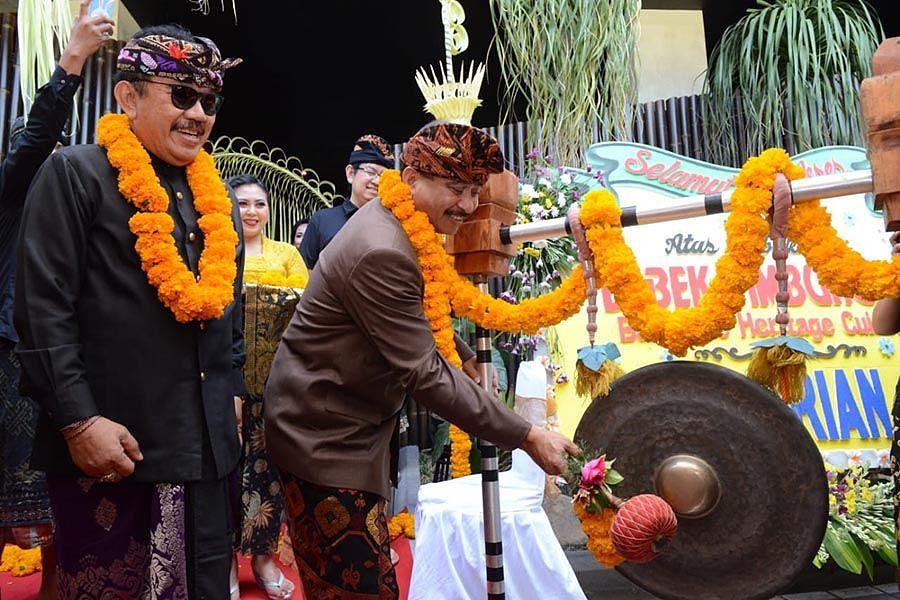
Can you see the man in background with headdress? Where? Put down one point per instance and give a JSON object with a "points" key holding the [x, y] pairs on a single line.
{"points": [[371, 155], [360, 341], [130, 333]]}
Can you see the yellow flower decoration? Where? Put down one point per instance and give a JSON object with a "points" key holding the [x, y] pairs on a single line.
{"points": [[20, 562], [277, 279], [596, 526], [402, 524]]}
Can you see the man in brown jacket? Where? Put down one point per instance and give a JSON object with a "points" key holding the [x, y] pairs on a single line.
{"points": [[358, 342]]}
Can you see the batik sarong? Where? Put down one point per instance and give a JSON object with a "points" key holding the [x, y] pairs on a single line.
{"points": [[341, 542], [262, 497], [121, 540], [24, 506], [267, 312]]}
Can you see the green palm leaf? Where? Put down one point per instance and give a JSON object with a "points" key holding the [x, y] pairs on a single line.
{"points": [[294, 191], [39, 23], [790, 72]]}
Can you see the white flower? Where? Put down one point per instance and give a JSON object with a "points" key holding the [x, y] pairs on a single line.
{"points": [[554, 212], [528, 191], [565, 178], [539, 244], [561, 199], [544, 182], [535, 210]]}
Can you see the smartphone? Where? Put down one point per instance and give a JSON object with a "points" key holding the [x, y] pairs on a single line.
{"points": [[106, 8]]}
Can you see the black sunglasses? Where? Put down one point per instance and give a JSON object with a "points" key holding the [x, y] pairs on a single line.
{"points": [[184, 98]]}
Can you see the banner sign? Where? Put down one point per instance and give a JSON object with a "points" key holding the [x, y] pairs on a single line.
{"points": [[850, 384]]}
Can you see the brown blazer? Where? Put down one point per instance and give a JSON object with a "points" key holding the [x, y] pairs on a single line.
{"points": [[357, 343]]}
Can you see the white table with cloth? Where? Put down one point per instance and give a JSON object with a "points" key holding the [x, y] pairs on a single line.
{"points": [[449, 556]]}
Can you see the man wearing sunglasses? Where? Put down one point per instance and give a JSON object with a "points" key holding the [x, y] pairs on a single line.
{"points": [[137, 431], [371, 155]]}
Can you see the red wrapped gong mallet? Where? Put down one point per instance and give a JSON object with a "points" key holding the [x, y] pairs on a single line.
{"points": [[642, 528]]}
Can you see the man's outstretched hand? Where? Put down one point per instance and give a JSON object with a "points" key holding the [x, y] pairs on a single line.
{"points": [[549, 450]]}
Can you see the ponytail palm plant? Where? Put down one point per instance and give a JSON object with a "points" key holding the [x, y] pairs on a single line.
{"points": [[40, 23], [574, 62], [787, 74]]}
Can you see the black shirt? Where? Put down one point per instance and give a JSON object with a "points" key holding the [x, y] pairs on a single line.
{"points": [[52, 106], [322, 228], [95, 339]]}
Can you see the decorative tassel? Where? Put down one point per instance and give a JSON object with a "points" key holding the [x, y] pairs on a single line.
{"points": [[596, 370], [596, 384], [780, 365]]}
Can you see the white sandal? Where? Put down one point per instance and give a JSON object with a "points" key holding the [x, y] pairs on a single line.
{"points": [[276, 586]]}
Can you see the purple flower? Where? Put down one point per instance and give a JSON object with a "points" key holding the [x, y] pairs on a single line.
{"points": [[563, 378], [588, 169], [842, 510], [508, 346], [508, 297], [576, 195], [533, 154], [548, 158]]}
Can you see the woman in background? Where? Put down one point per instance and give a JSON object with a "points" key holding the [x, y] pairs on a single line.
{"points": [[273, 263]]}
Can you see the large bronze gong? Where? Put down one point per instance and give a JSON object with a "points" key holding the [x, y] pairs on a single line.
{"points": [[745, 478]]}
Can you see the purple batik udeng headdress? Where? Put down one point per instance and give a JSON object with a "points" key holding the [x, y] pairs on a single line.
{"points": [[198, 62]]}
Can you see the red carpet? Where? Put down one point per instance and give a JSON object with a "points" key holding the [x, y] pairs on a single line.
{"points": [[26, 588]]}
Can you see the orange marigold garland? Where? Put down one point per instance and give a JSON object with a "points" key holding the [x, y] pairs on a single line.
{"points": [[445, 287], [736, 271], [402, 524], [596, 526], [526, 317], [189, 299], [838, 267], [436, 300], [20, 563]]}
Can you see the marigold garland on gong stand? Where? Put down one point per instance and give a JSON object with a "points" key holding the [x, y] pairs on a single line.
{"points": [[841, 269]]}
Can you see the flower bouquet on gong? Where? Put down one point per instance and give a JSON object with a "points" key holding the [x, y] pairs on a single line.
{"points": [[635, 530]]}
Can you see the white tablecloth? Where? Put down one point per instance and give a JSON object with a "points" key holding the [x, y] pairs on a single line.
{"points": [[449, 557]]}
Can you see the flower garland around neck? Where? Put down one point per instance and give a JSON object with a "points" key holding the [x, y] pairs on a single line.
{"points": [[444, 287], [189, 299]]}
